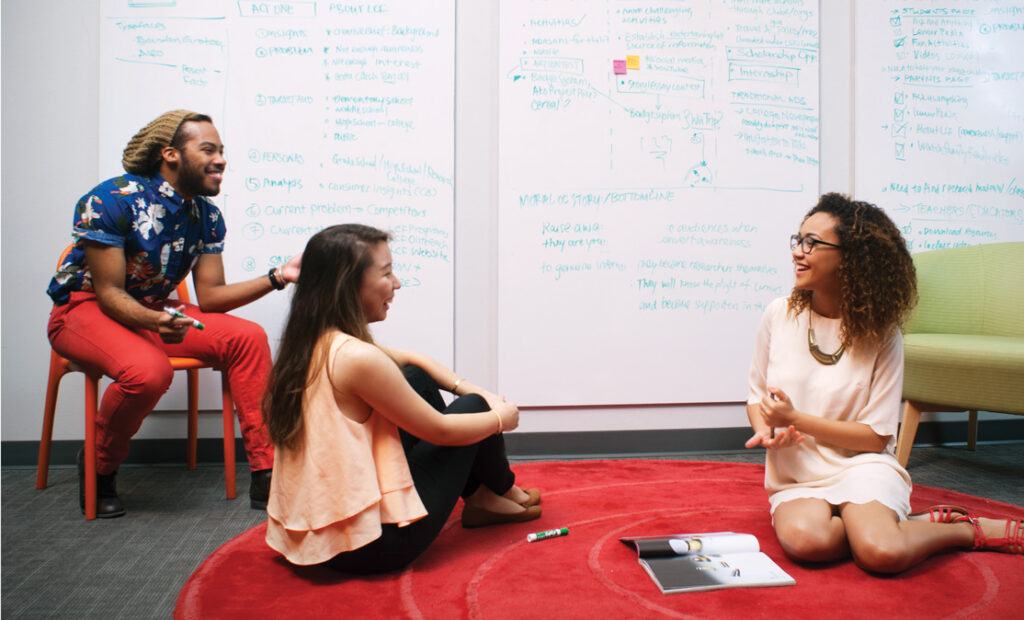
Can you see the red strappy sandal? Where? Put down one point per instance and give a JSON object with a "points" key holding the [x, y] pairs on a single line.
{"points": [[942, 513], [1012, 542]]}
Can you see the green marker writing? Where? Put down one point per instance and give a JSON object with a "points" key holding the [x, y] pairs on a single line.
{"points": [[548, 534]]}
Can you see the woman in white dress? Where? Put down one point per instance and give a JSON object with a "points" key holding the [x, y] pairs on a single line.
{"points": [[824, 400]]}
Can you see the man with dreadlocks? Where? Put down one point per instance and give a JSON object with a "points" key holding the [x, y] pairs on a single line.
{"points": [[136, 237]]}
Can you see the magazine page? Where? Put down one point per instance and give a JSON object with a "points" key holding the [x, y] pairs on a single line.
{"points": [[692, 573], [706, 561], [715, 543]]}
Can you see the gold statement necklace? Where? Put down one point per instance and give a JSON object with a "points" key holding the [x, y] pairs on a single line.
{"points": [[827, 359]]}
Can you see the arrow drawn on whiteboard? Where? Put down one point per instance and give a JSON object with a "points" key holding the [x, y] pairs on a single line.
{"points": [[515, 74]]}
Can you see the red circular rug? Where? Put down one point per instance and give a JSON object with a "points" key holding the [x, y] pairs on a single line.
{"points": [[495, 573]]}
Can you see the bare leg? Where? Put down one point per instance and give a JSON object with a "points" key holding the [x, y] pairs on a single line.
{"points": [[880, 542], [809, 530]]}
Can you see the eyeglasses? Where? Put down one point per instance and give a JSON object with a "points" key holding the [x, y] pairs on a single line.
{"points": [[807, 244]]}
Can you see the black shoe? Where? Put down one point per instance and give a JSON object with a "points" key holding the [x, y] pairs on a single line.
{"points": [[108, 504], [259, 489]]}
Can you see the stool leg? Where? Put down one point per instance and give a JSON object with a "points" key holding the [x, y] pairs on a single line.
{"points": [[49, 411], [228, 411], [91, 400], [193, 418]]}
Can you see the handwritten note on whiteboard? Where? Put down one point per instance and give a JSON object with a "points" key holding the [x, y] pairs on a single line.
{"points": [[654, 158], [940, 127], [330, 112]]}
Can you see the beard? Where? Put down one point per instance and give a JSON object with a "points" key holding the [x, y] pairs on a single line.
{"points": [[192, 178]]}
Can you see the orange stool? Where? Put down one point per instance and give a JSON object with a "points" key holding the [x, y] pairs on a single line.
{"points": [[60, 366]]}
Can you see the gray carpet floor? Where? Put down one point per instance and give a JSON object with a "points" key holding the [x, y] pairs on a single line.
{"points": [[57, 565]]}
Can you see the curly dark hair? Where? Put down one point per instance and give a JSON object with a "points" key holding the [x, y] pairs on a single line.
{"points": [[877, 280]]}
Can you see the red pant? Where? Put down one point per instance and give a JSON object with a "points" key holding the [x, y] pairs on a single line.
{"points": [[136, 359]]}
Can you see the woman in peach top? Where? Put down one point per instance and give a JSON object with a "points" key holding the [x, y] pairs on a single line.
{"points": [[369, 462], [824, 399]]}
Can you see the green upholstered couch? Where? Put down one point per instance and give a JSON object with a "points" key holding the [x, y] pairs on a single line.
{"points": [[964, 343]]}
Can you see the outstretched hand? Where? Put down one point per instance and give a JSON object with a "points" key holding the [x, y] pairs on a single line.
{"points": [[776, 438], [779, 416]]}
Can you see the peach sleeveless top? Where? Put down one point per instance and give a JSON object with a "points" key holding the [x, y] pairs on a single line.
{"points": [[344, 478]]}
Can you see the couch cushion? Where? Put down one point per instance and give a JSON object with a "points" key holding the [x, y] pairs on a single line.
{"points": [[970, 290], [968, 371]]}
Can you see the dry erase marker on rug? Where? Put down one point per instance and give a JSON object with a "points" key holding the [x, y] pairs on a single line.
{"points": [[564, 531], [178, 314]]}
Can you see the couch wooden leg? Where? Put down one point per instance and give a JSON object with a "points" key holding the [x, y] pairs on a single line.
{"points": [[972, 429], [908, 429]]}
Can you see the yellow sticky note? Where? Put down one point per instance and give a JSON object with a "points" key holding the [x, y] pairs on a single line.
{"points": [[632, 62]]}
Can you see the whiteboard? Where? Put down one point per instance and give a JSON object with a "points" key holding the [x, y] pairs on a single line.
{"points": [[940, 127], [330, 112], [654, 158]]}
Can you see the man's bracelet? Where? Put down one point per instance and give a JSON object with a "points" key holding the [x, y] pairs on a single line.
{"points": [[278, 284]]}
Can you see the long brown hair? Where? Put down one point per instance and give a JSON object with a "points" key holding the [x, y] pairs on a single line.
{"points": [[877, 280], [326, 298]]}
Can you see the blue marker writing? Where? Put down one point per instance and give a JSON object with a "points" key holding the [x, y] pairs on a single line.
{"points": [[548, 534], [178, 314]]}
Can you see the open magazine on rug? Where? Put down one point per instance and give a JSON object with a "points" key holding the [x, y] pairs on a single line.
{"points": [[708, 561]]}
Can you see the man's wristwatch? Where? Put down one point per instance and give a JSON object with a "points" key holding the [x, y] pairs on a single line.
{"points": [[275, 280]]}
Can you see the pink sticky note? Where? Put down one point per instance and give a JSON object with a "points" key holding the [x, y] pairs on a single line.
{"points": [[619, 67]]}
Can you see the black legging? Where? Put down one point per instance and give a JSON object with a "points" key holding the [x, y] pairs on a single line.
{"points": [[441, 474]]}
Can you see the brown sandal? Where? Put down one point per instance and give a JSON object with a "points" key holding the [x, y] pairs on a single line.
{"points": [[532, 499], [1012, 542], [474, 516], [942, 513]]}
